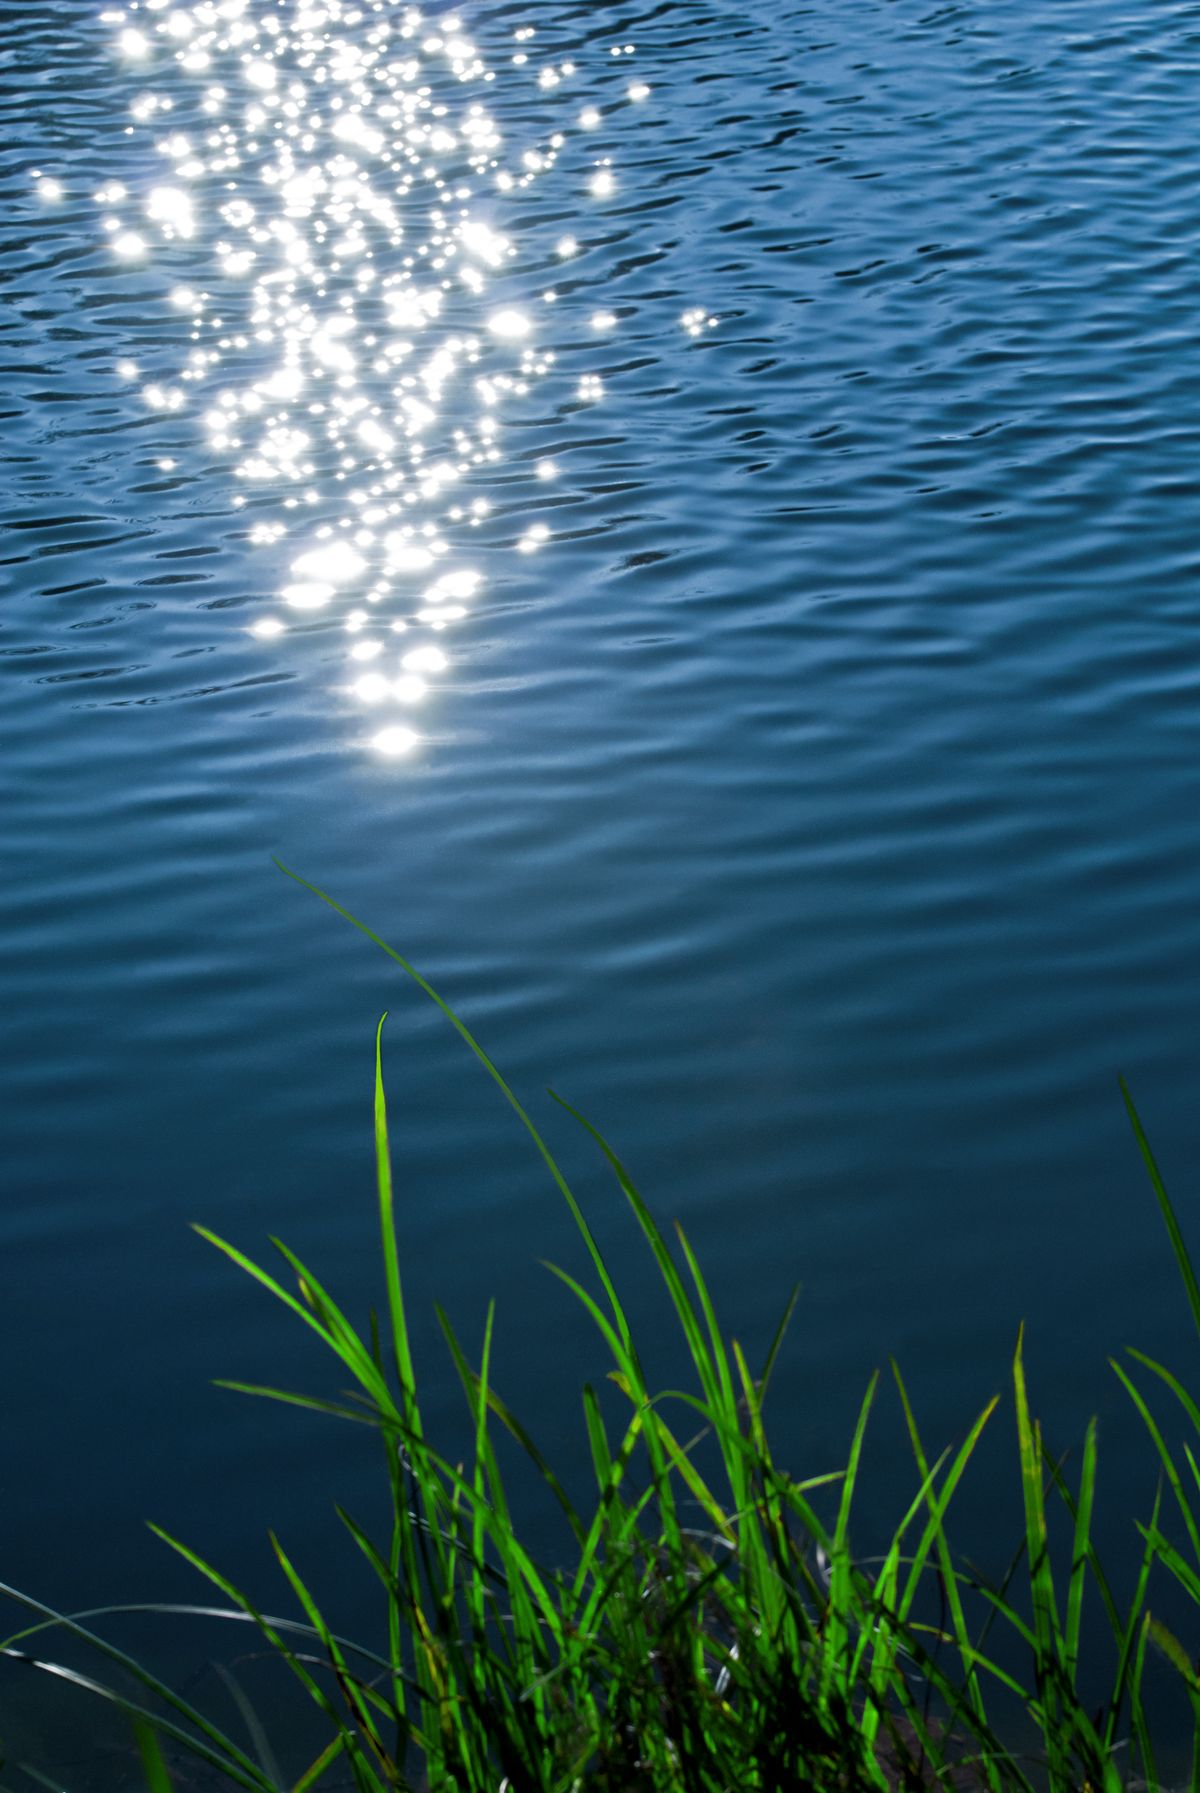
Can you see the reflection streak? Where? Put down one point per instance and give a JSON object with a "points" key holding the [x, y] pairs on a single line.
{"points": [[342, 181]]}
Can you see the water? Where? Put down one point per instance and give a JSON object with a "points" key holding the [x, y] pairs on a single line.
{"points": [[805, 780]]}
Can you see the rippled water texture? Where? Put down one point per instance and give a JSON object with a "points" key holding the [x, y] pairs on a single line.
{"points": [[684, 517]]}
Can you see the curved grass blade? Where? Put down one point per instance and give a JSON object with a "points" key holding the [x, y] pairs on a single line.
{"points": [[1190, 1407], [218, 1750], [1164, 1454], [493, 1072], [272, 1634]]}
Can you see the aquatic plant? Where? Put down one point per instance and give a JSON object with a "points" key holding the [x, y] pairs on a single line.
{"points": [[712, 1627]]}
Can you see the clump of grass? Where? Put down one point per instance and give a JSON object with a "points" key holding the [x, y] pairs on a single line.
{"points": [[712, 1629]]}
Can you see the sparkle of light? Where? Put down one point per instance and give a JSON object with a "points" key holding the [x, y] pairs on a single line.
{"points": [[344, 239], [394, 742]]}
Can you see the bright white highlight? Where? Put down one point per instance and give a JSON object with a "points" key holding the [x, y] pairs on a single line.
{"points": [[510, 324], [355, 271], [424, 659], [394, 742]]}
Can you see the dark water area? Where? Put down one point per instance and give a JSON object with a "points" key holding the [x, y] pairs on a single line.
{"points": [[807, 779]]}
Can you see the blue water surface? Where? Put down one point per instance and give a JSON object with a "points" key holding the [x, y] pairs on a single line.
{"points": [[809, 788]]}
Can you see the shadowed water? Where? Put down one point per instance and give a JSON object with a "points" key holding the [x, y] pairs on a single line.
{"points": [[789, 747]]}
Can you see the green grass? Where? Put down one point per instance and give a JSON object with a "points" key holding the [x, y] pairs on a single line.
{"points": [[710, 1629]]}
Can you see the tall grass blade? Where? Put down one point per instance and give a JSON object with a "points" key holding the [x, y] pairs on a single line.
{"points": [[837, 1616], [493, 1072], [1080, 1552], [401, 1349], [1047, 1635]]}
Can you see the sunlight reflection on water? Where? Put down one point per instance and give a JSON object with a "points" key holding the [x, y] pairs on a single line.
{"points": [[346, 195]]}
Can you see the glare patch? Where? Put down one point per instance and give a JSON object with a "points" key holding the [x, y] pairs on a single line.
{"points": [[510, 324], [171, 207], [311, 595], [394, 742], [335, 565], [424, 659]]}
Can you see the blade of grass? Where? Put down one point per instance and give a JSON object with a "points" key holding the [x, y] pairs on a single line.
{"points": [[1164, 1456], [401, 1348], [271, 1632], [357, 1705], [949, 1579], [1080, 1552], [493, 1072], [835, 1634], [315, 1770]]}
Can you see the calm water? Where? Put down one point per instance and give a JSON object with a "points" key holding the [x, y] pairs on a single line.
{"points": [[806, 778]]}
